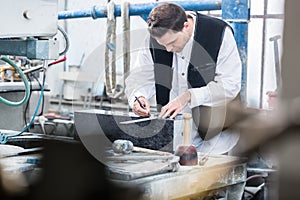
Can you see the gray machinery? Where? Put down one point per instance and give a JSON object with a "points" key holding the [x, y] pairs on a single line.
{"points": [[27, 30], [32, 24]]}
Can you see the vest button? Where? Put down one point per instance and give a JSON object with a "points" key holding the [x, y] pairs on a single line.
{"points": [[182, 57], [182, 74]]}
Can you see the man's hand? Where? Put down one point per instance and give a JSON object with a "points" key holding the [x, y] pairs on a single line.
{"points": [[175, 106], [140, 111]]}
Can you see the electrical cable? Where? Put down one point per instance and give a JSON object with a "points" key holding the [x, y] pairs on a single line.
{"points": [[27, 104], [24, 78], [40, 67], [3, 137], [66, 39], [259, 187], [43, 102], [255, 176]]}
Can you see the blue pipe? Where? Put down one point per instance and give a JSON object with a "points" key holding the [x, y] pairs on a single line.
{"points": [[139, 9], [238, 14]]}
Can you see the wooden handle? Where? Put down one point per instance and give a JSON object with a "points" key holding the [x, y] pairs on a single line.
{"points": [[187, 129], [151, 151]]}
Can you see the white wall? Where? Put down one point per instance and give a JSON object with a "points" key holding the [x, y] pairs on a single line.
{"points": [[87, 37], [87, 40], [273, 27]]}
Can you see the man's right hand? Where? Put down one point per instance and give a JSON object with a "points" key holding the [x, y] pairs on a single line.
{"points": [[138, 110], [175, 106]]}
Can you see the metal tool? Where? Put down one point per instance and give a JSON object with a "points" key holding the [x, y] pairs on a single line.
{"points": [[272, 95], [276, 59], [139, 120], [126, 147], [152, 117]]}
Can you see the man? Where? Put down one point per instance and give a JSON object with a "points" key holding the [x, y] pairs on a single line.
{"points": [[191, 65]]}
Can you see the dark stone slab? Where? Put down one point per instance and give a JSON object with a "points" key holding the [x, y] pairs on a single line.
{"points": [[153, 134]]}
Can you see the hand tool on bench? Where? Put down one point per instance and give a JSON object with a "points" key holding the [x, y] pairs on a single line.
{"points": [[139, 120], [187, 152], [127, 147], [151, 117]]}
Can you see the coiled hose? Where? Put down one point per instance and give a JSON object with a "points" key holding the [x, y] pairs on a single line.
{"points": [[24, 78], [4, 137]]}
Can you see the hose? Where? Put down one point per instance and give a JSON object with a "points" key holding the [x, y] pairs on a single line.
{"points": [[126, 46], [66, 39], [24, 78], [110, 50], [4, 137], [126, 38]]}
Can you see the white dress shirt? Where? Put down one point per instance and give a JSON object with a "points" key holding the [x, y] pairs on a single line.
{"points": [[226, 86]]}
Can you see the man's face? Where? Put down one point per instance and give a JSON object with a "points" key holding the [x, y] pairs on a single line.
{"points": [[174, 41]]}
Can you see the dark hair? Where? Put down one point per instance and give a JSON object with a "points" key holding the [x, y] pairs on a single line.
{"points": [[167, 16]]}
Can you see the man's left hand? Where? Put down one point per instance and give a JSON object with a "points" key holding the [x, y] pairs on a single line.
{"points": [[175, 106]]}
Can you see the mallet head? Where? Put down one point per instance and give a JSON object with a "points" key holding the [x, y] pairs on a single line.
{"points": [[122, 146]]}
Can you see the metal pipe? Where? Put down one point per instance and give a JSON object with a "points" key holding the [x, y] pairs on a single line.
{"points": [[238, 14], [139, 9], [262, 73], [61, 90]]}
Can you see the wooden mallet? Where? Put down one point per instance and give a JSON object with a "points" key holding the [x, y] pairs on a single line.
{"points": [[187, 152]]}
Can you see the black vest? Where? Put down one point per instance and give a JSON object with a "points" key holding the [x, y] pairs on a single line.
{"points": [[208, 38]]}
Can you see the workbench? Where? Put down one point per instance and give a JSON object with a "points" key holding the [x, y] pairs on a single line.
{"points": [[223, 176]]}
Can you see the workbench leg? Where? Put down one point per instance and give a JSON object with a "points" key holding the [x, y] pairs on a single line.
{"points": [[235, 192]]}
